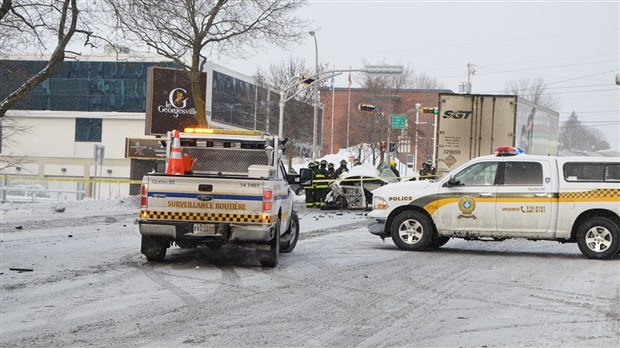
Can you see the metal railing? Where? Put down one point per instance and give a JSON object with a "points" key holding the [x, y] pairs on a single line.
{"points": [[15, 194]]}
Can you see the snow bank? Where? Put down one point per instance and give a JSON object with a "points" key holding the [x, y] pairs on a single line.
{"points": [[12, 211]]}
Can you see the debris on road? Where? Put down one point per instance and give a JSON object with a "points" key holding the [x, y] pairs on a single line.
{"points": [[20, 270]]}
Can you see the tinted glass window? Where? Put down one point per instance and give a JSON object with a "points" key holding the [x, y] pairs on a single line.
{"points": [[523, 173], [80, 85], [479, 174], [613, 172], [584, 171], [88, 129]]}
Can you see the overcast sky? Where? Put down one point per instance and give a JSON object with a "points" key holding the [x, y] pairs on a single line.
{"points": [[573, 45]]}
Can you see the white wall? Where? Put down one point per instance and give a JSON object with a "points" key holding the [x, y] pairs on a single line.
{"points": [[49, 145], [52, 134]]}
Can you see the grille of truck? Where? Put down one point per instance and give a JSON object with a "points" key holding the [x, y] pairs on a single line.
{"points": [[225, 161]]}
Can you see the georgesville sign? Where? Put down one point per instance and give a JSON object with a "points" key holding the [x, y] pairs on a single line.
{"points": [[169, 102]]}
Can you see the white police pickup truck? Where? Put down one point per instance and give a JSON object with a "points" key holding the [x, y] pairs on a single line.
{"points": [[234, 191], [507, 195]]}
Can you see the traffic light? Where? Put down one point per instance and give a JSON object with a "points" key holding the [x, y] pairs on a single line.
{"points": [[382, 144], [306, 79], [427, 110], [392, 147], [367, 107]]}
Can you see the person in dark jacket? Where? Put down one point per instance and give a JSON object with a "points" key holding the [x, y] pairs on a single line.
{"points": [[331, 171], [343, 168], [322, 186], [310, 190], [427, 170]]}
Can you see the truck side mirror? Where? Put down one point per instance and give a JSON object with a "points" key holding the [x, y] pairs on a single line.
{"points": [[292, 178], [305, 176], [451, 182]]}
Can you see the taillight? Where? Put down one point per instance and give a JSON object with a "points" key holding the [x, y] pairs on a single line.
{"points": [[267, 200], [144, 191]]}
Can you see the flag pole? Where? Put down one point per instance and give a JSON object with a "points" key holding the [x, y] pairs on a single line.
{"points": [[349, 108], [331, 147]]}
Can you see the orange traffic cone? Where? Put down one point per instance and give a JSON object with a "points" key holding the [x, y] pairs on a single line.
{"points": [[175, 162]]}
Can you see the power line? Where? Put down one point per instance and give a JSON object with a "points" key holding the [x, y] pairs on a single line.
{"points": [[580, 77], [542, 67]]}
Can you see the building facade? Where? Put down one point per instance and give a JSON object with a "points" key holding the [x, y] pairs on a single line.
{"points": [[345, 125], [100, 103]]}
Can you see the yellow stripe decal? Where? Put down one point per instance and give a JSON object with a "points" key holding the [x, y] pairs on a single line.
{"points": [[207, 217], [607, 195], [598, 195]]}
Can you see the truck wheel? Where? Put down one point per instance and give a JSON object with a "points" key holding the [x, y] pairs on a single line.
{"points": [[599, 238], [438, 242], [186, 244], [300, 191], [269, 258], [411, 230], [341, 202], [292, 234], [154, 248]]}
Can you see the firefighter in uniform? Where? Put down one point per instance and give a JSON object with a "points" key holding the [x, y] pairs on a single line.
{"points": [[322, 186], [331, 171], [393, 168], [427, 170], [343, 168], [310, 191]]}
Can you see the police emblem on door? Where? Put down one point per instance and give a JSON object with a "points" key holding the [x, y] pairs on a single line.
{"points": [[467, 205]]}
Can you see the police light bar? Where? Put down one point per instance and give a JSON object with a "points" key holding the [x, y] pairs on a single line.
{"points": [[221, 131], [508, 151]]}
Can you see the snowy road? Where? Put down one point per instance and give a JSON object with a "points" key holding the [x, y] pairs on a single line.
{"points": [[89, 285]]}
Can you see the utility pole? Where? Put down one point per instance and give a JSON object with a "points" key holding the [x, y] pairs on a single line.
{"points": [[316, 97], [470, 71], [415, 150]]}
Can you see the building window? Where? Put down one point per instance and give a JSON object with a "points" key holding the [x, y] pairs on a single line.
{"points": [[88, 129]]}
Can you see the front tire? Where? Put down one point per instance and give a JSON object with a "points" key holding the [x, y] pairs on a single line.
{"points": [[599, 238], [412, 231], [154, 248], [341, 202], [292, 234]]}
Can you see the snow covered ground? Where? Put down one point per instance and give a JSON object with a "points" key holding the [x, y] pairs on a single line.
{"points": [[76, 278]]}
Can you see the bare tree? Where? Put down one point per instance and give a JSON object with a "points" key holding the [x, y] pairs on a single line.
{"points": [[45, 27], [189, 32], [424, 81], [533, 90], [384, 92], [574, 136], [9, 131], [298, 115]]}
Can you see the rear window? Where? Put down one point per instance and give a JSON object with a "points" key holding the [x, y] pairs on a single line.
{"points": [[587, 171]]}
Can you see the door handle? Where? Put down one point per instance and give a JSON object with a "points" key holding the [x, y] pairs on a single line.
{"points": [[485, 194]]}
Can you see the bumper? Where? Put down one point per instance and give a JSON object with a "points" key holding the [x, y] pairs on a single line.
{"points": [[376, 226], [223, 232]]}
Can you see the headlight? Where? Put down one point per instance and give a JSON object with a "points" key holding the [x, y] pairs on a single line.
{"points": [[379, 203]]}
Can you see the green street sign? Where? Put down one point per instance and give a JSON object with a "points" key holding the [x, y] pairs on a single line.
{"points": [[399, 121]]}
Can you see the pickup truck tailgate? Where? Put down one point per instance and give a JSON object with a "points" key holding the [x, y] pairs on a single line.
{"points": [[204, 199]]}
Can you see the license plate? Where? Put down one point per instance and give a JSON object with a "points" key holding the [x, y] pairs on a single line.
{"points": [[206, 229]]}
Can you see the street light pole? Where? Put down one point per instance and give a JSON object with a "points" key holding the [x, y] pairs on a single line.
{"points": [[287, 91], [316, 97], [415, 153]]}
